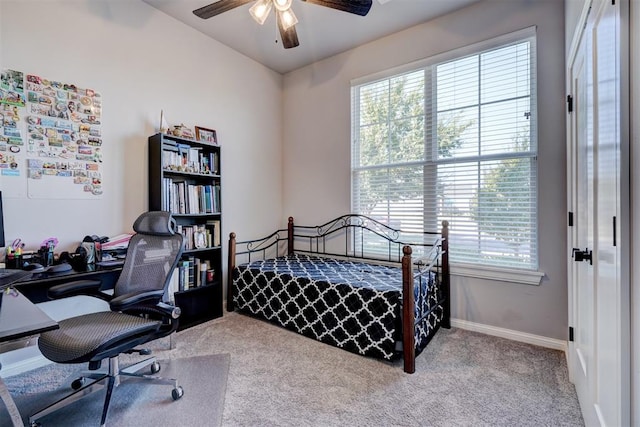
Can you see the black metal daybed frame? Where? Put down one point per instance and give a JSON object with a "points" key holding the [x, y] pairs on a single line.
{"points": [[323, 239]]}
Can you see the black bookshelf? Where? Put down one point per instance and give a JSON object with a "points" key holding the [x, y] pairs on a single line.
{"points": [[185, 179]]}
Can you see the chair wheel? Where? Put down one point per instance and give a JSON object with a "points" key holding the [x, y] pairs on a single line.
{"points": [[155, 367], [77, 383], [177, 392]]}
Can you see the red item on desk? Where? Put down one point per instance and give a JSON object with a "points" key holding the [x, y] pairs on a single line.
{"points": [[118, 242]]}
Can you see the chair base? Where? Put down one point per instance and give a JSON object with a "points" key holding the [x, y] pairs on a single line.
{"points": [[110, 379]]}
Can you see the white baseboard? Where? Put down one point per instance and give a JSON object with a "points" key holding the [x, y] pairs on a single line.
{"points": [[22, 360], [511, 334]]}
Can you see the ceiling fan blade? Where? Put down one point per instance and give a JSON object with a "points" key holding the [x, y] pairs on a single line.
{"points": [[218, 7], [289, 37], [358, 7]]}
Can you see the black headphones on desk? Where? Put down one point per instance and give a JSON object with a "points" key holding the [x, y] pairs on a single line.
{"points": [[95, 239], [77, 260]]}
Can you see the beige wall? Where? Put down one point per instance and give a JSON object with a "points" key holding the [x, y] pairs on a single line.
{"points": [[144, 61], [317, 148], [286, 140]]}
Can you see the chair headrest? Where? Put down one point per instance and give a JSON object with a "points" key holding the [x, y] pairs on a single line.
{"points": [[155, 222]]}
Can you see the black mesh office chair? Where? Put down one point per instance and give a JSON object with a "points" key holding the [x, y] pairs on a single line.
{"points": [[140, 313]]}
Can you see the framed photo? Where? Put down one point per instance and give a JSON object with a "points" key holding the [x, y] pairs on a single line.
{"points": [[206, 135]]}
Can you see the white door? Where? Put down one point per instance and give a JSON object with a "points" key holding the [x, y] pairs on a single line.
{"points": [[582, 305], [598, 300]]}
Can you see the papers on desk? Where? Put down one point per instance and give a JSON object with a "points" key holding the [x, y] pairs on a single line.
{"points": [[120, 241], [111, 263], [115, 249]]}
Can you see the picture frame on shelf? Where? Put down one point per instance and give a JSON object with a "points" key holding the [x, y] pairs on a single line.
{"points": [[206, 135]]}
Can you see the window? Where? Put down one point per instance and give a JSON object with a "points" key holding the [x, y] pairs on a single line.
{"points": [[454, 138]]}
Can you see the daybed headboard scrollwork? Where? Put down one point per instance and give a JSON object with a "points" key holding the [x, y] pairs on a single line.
{"points": [[359, 236], [345, 236]]}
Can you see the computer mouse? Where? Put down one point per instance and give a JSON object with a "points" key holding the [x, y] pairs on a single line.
{"points": [[33, 267], [59, 268]]}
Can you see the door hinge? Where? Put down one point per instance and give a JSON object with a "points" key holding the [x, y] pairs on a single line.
{"points": [[571, 333], [569, 103], [614, 231], [613, 2], [570, 219]]}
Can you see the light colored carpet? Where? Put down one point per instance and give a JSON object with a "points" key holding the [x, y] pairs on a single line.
{"points": [[134, 402], [279, 378]]}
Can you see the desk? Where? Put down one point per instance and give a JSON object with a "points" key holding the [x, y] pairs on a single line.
{"points": [[197, 304], [35, 288], [19, 318]]}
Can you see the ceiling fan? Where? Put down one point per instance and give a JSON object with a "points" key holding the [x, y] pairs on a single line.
{"points": [[286, 18]]}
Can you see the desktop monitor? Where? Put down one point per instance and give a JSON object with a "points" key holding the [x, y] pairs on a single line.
{"points": [[2, 243]]}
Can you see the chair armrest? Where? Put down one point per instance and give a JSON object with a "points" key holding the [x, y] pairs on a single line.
{"points": [[169, 310], [133, 299], [78, 287]]}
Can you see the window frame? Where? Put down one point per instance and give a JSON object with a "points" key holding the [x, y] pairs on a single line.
{"points": [[483, 271]]}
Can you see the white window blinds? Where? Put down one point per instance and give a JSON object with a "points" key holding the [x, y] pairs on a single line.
{"points": [[454, 139]]}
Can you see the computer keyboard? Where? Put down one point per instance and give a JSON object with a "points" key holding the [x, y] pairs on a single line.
{"points": [[9, 276], [4, 272]]}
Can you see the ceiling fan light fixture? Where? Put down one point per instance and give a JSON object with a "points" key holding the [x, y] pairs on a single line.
{"points": [[260, 10], [282, 5], [288, 18]]}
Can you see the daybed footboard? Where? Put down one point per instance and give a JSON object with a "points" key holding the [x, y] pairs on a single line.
{"points": [[412, 327], [305, 279]]}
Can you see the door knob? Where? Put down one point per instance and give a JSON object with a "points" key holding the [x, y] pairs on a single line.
{"points": [[579, 255]]}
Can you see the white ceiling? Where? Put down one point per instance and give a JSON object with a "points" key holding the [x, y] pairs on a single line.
{"points": [[322, 31]]}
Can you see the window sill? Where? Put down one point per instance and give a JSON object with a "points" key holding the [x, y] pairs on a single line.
{"points": [[513, 275]]}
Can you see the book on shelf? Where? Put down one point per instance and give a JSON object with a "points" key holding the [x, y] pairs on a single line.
{"points": [[183, 157], [213, 226], [200, 236], [191, 273], [193, 160], [174, 284], [191, 199], [207, 163], [216, 198], [187, 233], [207, 199], [214, 161], [180, 187], [200, 266], [183, 267], [183, 198], [183, 154], [169, 144]]}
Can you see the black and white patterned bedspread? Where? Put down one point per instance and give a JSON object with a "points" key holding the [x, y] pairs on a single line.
{"points": [[352, 305]]}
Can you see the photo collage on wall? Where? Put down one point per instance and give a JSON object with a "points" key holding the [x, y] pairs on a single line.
{"points": [[59, 135], [12, 103]]}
